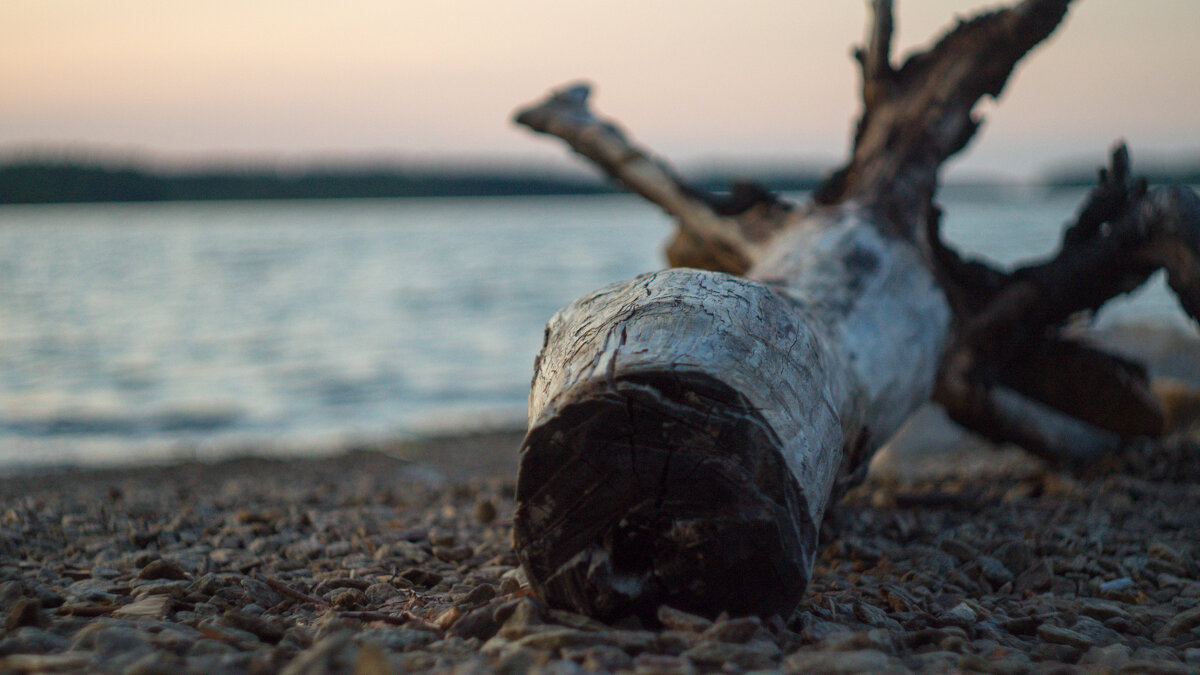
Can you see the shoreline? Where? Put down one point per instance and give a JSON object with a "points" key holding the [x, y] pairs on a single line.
{"points": [[412, 447], [1169, 351]]}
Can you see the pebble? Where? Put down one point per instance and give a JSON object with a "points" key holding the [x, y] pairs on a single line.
{"points": [[1112, 657], [24, 612], [756, 655], [1117, 585], [1064, 636], [162, 569], [355, 564], [733, 630], [674, 619], [149, 606], [1101, 609], [1180, 623], [993, 570], [848, 663], [960, 615], [32, 640]]}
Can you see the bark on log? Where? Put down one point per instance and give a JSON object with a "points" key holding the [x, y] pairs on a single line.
{"points": [[688, 429]]}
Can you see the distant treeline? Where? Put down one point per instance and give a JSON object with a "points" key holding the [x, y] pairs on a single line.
{"points": [[1155, 172], [46, 181], [38, 182]]}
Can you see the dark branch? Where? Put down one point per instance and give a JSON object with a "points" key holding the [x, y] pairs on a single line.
{"points": [[898, 152], [875, 56], [1014, 327]]}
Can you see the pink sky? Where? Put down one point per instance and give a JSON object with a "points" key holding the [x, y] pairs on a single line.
{"points": [[693, 79]]}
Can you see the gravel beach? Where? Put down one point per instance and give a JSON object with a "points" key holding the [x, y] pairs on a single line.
{"points": [[398, 559]]}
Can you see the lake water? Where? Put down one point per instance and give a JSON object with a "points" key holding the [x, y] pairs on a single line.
{"points": [[145, 331]]}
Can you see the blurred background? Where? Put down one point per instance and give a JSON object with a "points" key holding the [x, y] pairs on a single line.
{"points": [[296, 227]]}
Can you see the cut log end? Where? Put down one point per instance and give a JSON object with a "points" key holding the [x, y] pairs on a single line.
{"points": [[664, 488]]}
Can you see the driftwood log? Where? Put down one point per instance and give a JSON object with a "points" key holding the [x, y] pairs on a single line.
{"points": [[689, 428]]}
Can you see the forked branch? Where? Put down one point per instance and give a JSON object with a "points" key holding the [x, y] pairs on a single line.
{"points": [[917, 116]]}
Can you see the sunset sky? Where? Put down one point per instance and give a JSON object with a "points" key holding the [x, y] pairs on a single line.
{"points": [[693, 79]]}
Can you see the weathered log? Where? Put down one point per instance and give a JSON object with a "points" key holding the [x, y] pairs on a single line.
{"points": [[689, 429]]}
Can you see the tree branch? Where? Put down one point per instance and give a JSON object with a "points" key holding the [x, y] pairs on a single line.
{"points": [[1014, 330], [875, 57], [924, 114], [722, 234]]}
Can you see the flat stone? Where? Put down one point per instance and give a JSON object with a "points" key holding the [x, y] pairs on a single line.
{"points": [[1180, 623], [267, 630], [379, 593], [560, 638], [1064, 636], [1117, 585], [602, 658], [108, 637], [964, 552], [398, 639], [960, 615], [848, 663], [937, 662], [480, 594], [734, 630], [347, 598], [1101, 610], [1095, 631], [994, 571], [755, 655], [1010, 664], [152, 606], [421, 577], [932, 636], [480, 623], [156, 663], [32, 640], [675, 619], [661, 664], [162, 569], [1112, 656], [521, 618], [1164, 551], [335, 654], [852, 641], [48, 663], [168, 587], [1159, 667], [24, 612], [91, 591]]}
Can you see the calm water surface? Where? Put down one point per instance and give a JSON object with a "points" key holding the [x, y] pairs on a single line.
{"points": [[138, 331]]}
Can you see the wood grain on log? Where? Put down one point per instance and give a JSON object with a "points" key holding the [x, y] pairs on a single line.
{"points": [[687, 428]]}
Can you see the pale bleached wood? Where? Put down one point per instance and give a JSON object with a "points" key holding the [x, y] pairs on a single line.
{"points": [[689, 429], [829, 344], [713, 233]]}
